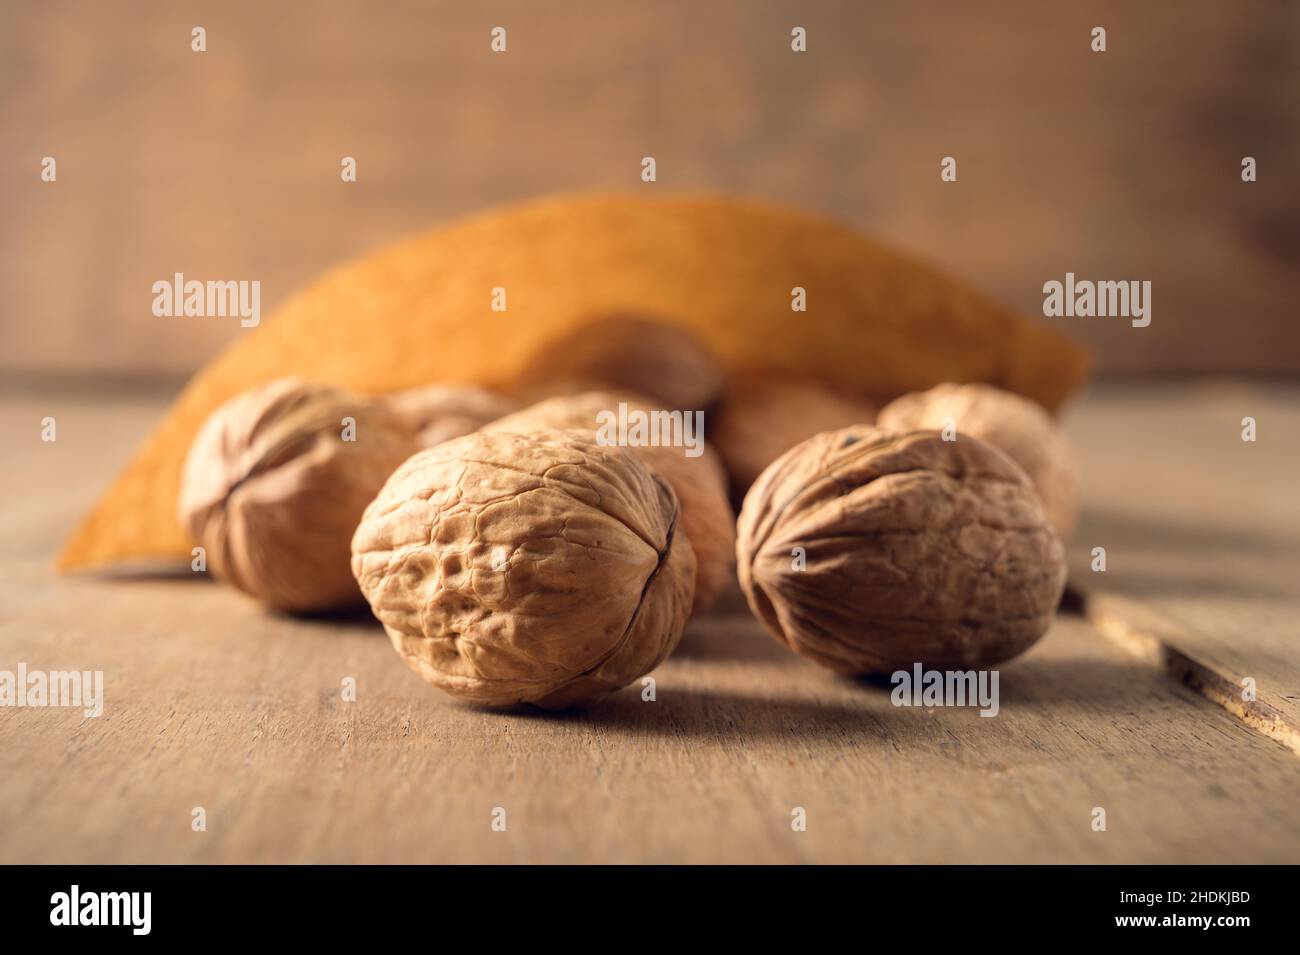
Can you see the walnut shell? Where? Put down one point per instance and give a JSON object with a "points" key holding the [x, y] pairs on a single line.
{"points": [[273, 492], [540, 568], [1012, 424], [665, 363], [918, 550], [764, 417], [441, 412], [700, 482]]}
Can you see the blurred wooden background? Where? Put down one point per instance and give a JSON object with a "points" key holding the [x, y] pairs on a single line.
{"points": [[225, 164]]}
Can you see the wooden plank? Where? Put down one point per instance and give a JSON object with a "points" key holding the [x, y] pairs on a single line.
{"points": [[1202, 538], [1138, 149], [212, 703]]}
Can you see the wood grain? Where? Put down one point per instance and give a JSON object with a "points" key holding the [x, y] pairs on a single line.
{"points": [[211, 702], [1202, 538], [225, 164]]}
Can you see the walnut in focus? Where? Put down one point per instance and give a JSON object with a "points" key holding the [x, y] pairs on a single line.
{"points": [[762, 418], [699, 482], [1012, 424], [868, 552], [441, 412], [540, 568], [273, 488], [661, 361]]}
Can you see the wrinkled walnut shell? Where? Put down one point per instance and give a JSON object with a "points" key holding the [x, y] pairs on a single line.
{"points": [[539, 568], [918, 550], [654, 358], [1014, 425], [763, 417], [273, 492], [439, 413], [699, 482]]}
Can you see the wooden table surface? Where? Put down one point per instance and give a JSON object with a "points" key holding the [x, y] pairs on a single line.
{"points": [[1131, 707]]}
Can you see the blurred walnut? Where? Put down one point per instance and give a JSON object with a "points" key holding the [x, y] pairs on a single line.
{"points": [[1012, 424], [661, 361], [868, 552], [540, 568], [699, 482], [275, 483], [763, 418], [441, 412]]}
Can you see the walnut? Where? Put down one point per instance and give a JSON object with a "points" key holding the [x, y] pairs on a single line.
{"points": [[869, 552], [540, 568], [442, 412], [661, 361], [699, 482], [1012, 424], [273, 489], [764, 417]]}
